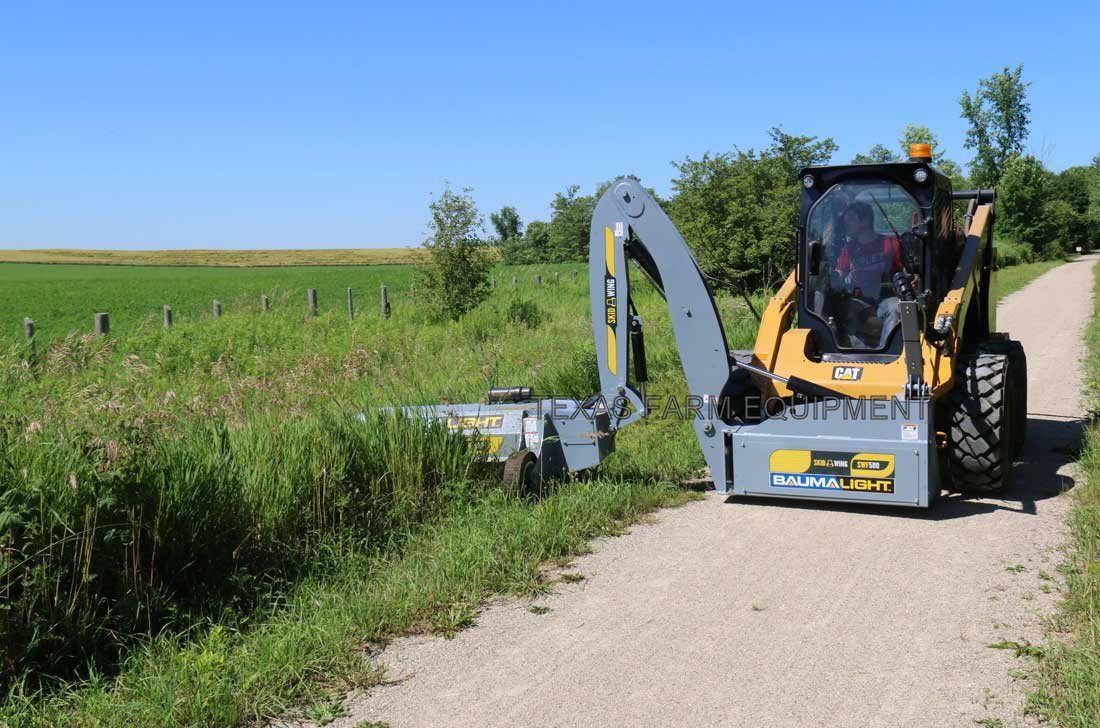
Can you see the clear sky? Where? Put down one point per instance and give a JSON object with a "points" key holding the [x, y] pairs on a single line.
{"points": [[329, 124]]}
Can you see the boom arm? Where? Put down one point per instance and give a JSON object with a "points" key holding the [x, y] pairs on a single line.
{"points": [[629, 224]]}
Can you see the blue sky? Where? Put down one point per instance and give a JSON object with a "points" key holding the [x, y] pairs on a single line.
{"points": [[329, 124]]}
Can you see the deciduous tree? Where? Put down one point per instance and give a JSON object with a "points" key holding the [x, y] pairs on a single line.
{"points": [[568, 230], [1024, 199], [507, 224], [739, 210], [998, 117], [877, 154], [457, 279]]}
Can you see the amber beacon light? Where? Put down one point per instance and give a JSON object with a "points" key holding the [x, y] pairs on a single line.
{"points": [[920, 152]]}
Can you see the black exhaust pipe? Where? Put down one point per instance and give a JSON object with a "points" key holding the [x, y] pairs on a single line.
{"points": [[510, 394], [982, 196]]}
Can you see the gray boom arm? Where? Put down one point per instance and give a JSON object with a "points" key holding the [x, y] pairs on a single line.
{"points": [[628, 223]]}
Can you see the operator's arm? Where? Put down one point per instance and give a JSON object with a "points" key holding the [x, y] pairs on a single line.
{"points": [[892, 249], [843, 263]]}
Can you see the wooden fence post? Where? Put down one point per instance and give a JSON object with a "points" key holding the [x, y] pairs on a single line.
{"points": [[385, 303], [513, 281], [557, 276], [32, 353], [167, 316], [538, 280], [351, 306], [217, 309], [265, 302], [574, 276], [492, 283], [102, 324], [311, 294]]}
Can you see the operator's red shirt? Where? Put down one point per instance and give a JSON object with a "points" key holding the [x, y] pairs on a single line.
{"points": [[870, 264]]}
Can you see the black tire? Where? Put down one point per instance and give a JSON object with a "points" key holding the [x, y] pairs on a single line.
{"points": [[979, 448], [1017, 364], [521, 471]]}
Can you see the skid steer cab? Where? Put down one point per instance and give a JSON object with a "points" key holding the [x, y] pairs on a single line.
{"points": [[877, 375]]}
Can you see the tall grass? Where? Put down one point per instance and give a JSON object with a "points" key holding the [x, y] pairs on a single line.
{"points": [[291, 658], [153, 479], [110, 538]]}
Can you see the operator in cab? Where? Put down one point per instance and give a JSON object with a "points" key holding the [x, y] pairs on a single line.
{"points": [[866, 265]]}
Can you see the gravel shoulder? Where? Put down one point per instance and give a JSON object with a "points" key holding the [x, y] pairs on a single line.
{"points": [[763, 613]]}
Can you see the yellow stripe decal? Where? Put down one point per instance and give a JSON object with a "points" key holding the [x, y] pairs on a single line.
{"points": [[609, 250], [612, 304], [612, 352], [790, 461]]}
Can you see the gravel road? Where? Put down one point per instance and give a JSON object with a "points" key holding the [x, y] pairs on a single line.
{"points": [[764, 613]]}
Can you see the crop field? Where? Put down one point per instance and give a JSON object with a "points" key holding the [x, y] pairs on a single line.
{"points": [[231, 258], [195, 523], [62, 299]]}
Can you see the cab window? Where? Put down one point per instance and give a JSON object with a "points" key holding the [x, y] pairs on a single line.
{"points": [[855, 251]]}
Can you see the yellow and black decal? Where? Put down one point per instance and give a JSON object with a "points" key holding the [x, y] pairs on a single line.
{"points": [[611, 301], [825, 470], [476, 422], [847, 374]]}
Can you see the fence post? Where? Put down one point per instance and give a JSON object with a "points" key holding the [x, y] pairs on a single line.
{"points": [[217, 308], [538, 280], [513, 281], [492, 283], [265, 302], [557, 276], [574, 276], [167, 316], [32, 353], [385, 303], [311, 294], [351, 306], [102, 324]]}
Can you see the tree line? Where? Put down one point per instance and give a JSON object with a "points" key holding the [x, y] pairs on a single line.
{"points": [[738, 210]]}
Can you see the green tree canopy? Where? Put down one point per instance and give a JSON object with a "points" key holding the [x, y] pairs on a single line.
{"points": [[1074, 187], [797, 152], [877, 154], [739, 210], [998, 117], [1023, 206], [457, 279], [570, 220], [507, 223], [532, 247]]}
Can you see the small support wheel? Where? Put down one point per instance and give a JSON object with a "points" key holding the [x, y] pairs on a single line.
{"points": [[520, 471]]}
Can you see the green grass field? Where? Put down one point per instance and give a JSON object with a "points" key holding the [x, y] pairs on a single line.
{"points": [[64, 298], [198, 531]]}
